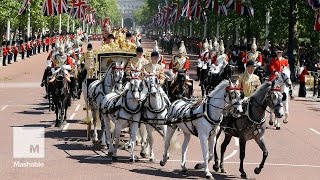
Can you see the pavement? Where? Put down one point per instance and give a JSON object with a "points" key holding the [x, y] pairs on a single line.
{"points": [[294, 151]]}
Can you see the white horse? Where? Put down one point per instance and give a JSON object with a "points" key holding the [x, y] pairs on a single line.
{"points": [[202, 119], [128, 113], [112, 81], [155, 110], [282, 82]]}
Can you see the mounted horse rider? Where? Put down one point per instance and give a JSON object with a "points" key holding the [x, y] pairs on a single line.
{"points": [[180, 61], [161, 60], [248, 81], [202, 61], [88, 74], [256, 57], [219, 58], [277, 64]]}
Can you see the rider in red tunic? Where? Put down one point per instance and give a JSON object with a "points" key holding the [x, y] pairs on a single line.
{"points": [[278, 63]]}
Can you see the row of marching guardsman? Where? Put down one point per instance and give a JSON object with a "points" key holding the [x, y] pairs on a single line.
{"points": [[65, 59]]}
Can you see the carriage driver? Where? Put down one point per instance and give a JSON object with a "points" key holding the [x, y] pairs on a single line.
{"points": [[248, 81], [154, 68], [135, 64], [254, 55]]}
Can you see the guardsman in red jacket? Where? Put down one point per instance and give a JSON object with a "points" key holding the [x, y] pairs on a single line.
{"points": [[15, 51], [23, 49], [9, 53], [28, 48], [47, 41], [39, 44], [277, 64], [4, 53], [53, 42]]}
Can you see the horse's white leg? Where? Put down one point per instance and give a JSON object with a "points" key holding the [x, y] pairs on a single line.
{"points": [[95, 120], [143, 139], [211, 143], [286, 110], [271, 117], [170, 132], [184, 150], [204, 147], [133, 133], [105, 129], [150, 141], [117, 138]]}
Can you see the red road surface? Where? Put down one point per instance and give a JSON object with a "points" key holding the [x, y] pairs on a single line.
{"points": [[294, 151]]}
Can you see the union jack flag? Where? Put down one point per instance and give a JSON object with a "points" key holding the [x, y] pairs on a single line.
{"points": [[23, 9], [195, 9], [49, 8], [186, 9], [242, 7], [78, 9], [62, 6], [219, 9]]}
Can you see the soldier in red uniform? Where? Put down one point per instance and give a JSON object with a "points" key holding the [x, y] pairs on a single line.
{"points": [[4, 53], [22, 48], [181, 61], [15, 51], [278, 63], [9, 53], [47, 43], [28, 46], [39, 44]]}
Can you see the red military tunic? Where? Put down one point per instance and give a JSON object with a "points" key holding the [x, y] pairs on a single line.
{"points": [[69, 61], [47, 41], [277, 64], [303, 75], [4, 51], [15, 50], [28, 46], [185, 66], [214, 59], [22, 48]]}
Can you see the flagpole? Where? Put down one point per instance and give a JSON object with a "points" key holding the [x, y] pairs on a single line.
{"points": [[237, 34], [190, 33], [205, 30], [59, 23], [73, 25], [267, 28], [8, 30], [218, 29], [28, 25], [68, 24], [83, 25]]}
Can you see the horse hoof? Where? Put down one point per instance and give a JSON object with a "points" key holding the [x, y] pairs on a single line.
{"points": [[103, 146], [162, 163], [223, 170], [277, 128], [257, 170], [110, 154], [209, 177], [285, 121], [215, 168], [114, 158], [56, 125], [270, 122], [143, 155], [244, 176], [152, 160], [185, 172], [197, 166], [132, 160]]}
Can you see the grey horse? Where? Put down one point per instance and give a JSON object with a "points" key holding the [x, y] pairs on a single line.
{"points": [[251, 124]]}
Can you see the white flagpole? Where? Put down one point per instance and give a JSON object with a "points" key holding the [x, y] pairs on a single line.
{"points": [[218, 30], [83, 25], [205, 30], [59, 23], [28, 25], [237, 34], [68, 24], [73, 25], [8, 30], [190, 33], [267, 27]]}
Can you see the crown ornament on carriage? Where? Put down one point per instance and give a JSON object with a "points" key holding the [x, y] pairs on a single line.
{"points": [[120, 45]]}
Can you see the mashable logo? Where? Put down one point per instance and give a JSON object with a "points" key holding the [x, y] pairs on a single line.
{"points": [[28, 142]]}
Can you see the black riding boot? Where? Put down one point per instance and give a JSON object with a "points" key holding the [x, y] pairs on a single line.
{"points": [[198, 73]]}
